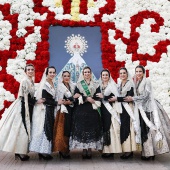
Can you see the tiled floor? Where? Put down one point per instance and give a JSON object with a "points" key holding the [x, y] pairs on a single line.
{"points": [[7, 162]]}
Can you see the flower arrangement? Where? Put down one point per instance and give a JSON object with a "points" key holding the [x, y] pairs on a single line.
{"points": [[133, 32]]}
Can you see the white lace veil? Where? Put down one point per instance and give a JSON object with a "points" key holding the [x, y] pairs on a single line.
{"points": [[130, 83], [25, 77], [143, 81], [93, 84], [60, 79], [112, 84], [81, 77], [60, 84]]}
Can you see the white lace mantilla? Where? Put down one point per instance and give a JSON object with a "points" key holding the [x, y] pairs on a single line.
{"points": [[26, 87], [92, 87], [123, 90], [50, 89]]}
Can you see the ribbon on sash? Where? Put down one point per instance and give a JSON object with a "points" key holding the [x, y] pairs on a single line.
{"points": [[112, 111], [97, 104], [146, 120], [134, 121]]}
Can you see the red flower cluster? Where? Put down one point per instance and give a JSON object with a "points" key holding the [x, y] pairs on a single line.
{"points": [[67, 6], [108, 51], [132, 44], [83, 6]]}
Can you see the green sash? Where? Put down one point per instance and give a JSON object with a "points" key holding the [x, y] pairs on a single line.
{"points": [[86, 89]]}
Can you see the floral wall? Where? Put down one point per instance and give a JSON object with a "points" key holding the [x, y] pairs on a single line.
{"points": [[133, 32]]}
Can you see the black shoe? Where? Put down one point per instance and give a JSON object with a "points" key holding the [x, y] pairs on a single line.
{"points": [[24, 158], [64, 156], [147, 158], [88, 156], [153, 157], [84, 154], [107, 155], [124, 156], [45, 157]]}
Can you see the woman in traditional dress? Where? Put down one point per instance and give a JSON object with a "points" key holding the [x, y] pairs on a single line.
{"points": [[110, 111], [86, 128], [16, 120], [62, 126], [128, 127], [154, 121], [43, 116]]}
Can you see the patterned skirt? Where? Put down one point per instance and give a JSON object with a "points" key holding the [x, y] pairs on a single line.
{"points": [[86, 128], [61, 142]]}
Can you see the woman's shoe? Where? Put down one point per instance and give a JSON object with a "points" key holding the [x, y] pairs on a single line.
{"points": [[107, 155], [45, 157], [147, 158], [84, 154], [89, 153], [88, 156], [64, 156], [153, 157], [22, 158], [124, 156]]}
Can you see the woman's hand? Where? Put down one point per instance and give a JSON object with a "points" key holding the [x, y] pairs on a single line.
{"points": [[112, 99], [39, 101], [77, 95], [67, 102], [128, 99], [100, 95], [61, 101], [91, 100]]}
